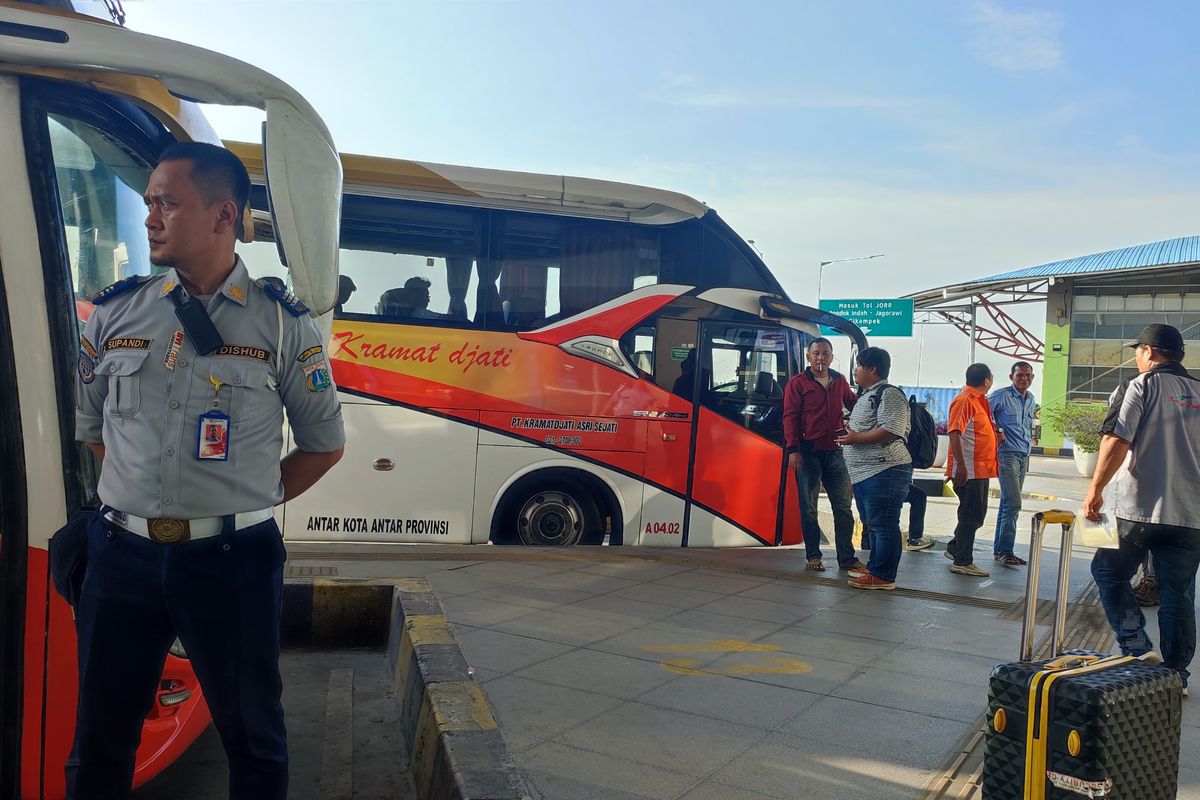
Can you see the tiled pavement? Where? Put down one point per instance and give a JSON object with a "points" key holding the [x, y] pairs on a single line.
{"points": [[705, 674]]}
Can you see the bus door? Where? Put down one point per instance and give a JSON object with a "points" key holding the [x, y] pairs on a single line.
{"points": [[738, 466]]}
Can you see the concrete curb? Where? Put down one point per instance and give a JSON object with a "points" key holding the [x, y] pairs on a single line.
{"points": [[456, 749]]}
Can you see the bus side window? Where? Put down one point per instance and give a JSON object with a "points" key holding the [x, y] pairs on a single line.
{"points": [[663, 349], [406, 262], [749, 368], [550, 268]]}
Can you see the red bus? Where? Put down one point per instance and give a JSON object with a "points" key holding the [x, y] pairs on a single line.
{"points": [[85, 108], [551, 360]]}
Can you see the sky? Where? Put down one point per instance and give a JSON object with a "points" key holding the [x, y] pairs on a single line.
{"points": [[959, 139]]}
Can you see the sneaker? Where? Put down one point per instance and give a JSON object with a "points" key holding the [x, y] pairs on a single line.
{"points": [[869, 581], [858, 573], [918, 544], [1150, 657], [968, 569], [1146, 592], [948, 554], [1011, 560], [853, 565]]}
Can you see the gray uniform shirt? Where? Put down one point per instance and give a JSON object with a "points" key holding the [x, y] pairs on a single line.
{"points": [[1158, 413], [881, 406], [142, 387]]}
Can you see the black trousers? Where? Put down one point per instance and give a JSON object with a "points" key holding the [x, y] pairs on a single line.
{"points": [[972, 509], [222, 597]]}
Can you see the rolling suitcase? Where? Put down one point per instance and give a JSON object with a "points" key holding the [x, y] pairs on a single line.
{"points": [[1079, 724]]}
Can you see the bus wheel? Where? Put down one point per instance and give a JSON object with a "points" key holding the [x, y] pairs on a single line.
{"points": [[557, 516], [557, 507]]}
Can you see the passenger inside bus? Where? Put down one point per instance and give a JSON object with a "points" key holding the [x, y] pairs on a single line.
{"points": [[524, 312], [418, 289], [346, 288], [685, 382], [398, 302]]}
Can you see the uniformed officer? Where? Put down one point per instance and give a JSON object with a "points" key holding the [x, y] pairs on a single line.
{"points": [[183, 380], [1151, 454]]}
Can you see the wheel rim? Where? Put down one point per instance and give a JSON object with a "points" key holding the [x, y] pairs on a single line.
{"points": [[551, 517]]}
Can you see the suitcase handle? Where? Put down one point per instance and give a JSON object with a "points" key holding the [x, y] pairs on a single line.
{"points": [[1070, 662], [1040, 520]]}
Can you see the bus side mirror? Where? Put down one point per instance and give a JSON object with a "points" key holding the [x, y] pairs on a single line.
{"points": [[304, 189]]}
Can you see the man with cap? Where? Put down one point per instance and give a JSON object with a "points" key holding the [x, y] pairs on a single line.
{"points": [[183, 381], [1151, 453]]}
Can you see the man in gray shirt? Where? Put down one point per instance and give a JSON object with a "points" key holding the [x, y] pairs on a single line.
{"points": [[1151, 447], [879, 464], [183, 381]]}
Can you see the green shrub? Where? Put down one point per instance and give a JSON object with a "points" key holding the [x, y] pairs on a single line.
{"points": [[1078, 421]]}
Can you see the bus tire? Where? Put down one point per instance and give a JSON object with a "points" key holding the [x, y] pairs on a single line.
{"points": [[551, 509]]}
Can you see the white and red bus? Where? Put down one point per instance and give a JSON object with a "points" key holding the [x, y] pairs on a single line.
{"points": [[85, 108], [551, 360]]}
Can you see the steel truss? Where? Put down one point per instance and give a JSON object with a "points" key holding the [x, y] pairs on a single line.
{"points": [[999, 333]]}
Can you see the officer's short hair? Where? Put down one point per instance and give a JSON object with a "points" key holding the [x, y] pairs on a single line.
{"points": [[977, 374], [878, 358], [1018, 365], [820, 340], [217, 173]]}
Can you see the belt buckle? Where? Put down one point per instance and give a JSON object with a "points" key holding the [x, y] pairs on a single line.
{"points": [[169, 531]]}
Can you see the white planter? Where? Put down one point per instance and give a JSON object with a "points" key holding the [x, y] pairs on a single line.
{"points": [[1085, 463], [943, 450]]}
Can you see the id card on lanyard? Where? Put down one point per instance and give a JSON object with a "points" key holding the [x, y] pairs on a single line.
{"points": [[212, 434]]}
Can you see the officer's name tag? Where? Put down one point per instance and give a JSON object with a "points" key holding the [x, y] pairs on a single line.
{"points": [[212, 440]]}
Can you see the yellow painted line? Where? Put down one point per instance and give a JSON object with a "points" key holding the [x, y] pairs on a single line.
{"points": [[428, 629], [411, 585], [683, 666], [458, 706], [773, 666], [715, 646], [765, 665]]}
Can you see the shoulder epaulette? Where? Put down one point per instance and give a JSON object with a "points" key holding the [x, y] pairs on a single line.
{"points": [[120, 287], [276, 290]]}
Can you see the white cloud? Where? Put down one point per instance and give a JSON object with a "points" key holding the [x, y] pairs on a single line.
{"points": [[1017, 41]]}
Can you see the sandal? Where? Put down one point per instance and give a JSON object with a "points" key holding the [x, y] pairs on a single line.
{"points": [[816, 565]]}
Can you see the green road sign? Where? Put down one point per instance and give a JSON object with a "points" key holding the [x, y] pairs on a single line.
{"points": [[881, 317]]}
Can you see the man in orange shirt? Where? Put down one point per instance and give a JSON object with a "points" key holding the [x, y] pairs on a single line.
{"points": [[971, 464]]}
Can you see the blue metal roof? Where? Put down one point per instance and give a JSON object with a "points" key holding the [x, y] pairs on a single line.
{"points": [[1183, 250]]}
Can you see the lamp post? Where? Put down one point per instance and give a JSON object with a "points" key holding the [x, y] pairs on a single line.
{"points": [[821, 270]]}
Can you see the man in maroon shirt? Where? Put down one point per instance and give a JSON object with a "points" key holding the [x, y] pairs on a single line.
{"points": [[812, 415]]}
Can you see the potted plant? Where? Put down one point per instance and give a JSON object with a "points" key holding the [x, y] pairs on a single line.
{"points": [[1079, 422], [943, 450]]}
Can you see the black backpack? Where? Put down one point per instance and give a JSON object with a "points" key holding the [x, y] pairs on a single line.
{"points": [[922, 440]]}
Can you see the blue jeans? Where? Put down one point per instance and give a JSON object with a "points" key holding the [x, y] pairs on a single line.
{"points": [[1176, 553], [826, 467], [881, 497], [222, 597], [917, 503], [1013, 468]]}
